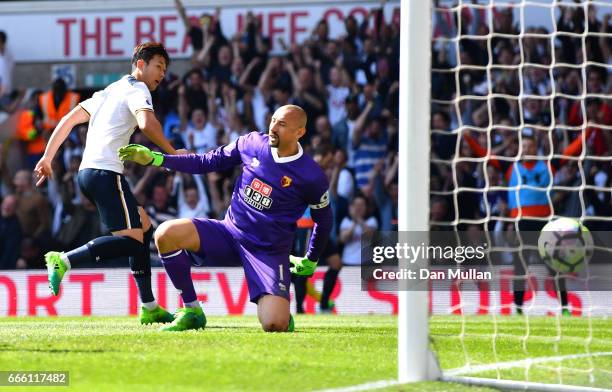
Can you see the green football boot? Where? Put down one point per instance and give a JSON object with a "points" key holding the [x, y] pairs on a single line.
{"points": [[291, 326], [185, 319], [566, 312], [157, 315], [56, 268]]}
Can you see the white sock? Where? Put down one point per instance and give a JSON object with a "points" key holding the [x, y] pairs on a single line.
{"points": [[65, 260], [193, 304], [150, 305]]}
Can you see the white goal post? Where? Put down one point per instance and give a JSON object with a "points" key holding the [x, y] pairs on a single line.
{"points": [[413, 208], [415, 362]]}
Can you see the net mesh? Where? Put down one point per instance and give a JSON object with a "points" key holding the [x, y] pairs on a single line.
{"points": [[516, 82]]}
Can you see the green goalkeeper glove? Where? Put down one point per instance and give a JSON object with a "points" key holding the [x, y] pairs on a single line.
{"points": [[141, 155], [302, 266]]}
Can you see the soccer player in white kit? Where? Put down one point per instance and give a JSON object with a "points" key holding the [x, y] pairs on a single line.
{"points": [[113, 115]]}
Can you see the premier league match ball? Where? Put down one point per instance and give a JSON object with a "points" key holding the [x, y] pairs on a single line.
{"points": [[565, 245]]}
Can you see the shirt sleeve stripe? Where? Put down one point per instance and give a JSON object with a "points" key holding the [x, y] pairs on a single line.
{"points": [[143, 109]]}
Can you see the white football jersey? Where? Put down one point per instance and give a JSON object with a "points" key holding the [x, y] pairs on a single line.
{"points": [[112, 120]]}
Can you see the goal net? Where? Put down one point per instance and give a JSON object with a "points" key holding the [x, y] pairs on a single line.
{"points": [[521, 134]]}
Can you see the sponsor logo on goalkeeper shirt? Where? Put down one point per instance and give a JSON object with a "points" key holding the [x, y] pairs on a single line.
{"points": [[257, 195], [285, 181]]}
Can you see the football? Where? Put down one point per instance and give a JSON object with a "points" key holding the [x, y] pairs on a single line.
{"points": [[565, 245]]}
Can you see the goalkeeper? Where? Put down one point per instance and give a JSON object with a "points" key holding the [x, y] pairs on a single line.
{"points": [[277, 183]]}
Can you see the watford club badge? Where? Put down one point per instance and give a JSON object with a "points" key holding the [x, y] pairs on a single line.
{"points": [[286, 181]]}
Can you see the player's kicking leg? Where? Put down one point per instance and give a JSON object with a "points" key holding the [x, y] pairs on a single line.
{"points": [[120, 244], [119, 212], [174, 239], [57, 266]]}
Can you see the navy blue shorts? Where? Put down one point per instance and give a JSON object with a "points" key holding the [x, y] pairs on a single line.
{"points": [[112, 196]]}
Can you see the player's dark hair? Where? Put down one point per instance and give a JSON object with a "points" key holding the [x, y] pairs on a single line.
{"points": [[148, 50], [2, 37]]}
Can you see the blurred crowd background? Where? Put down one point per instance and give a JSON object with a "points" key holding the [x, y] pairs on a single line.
{"points": [[348, 87], [498, 93], [504, 112]]}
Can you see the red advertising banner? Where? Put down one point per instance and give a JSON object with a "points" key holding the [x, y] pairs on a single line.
{"points": [[223, 291], [111, 35]]}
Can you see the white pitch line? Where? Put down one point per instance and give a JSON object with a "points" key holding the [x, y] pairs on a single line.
{"points": [[512, 385], [469, 370], [363, 387], [522, 363]]}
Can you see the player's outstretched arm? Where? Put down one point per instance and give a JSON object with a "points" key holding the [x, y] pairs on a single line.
{"points": [[150, 126], [76, 116], [219, 159]]}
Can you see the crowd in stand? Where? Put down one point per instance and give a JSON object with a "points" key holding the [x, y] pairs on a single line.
{"points": [[348, 87], [503, 95]]}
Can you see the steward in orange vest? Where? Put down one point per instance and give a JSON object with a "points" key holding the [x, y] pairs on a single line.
{"points": [[28, 133], [56, 103]]}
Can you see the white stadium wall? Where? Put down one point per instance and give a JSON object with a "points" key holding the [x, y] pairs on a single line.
{"points": [[112, 292]]}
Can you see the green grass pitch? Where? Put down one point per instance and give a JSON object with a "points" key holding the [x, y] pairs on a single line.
{"points": [[118, 354]]}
